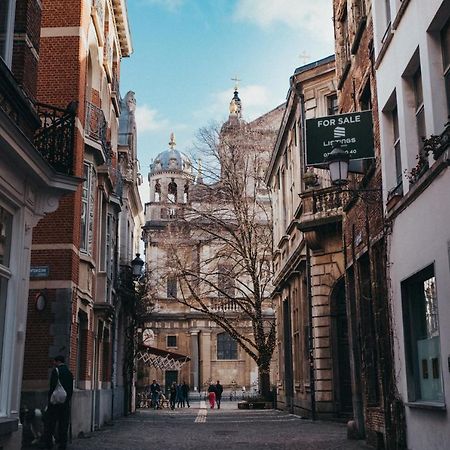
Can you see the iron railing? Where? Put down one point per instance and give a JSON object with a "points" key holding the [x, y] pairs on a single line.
{"points": [[95, 125], [54, 140]]}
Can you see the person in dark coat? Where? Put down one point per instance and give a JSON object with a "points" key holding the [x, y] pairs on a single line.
{"points": [[58, 413], [185, 392], [180, 398], [173, 395], [219, 390]]}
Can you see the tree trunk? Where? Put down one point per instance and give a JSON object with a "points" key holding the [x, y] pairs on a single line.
{"points": [[264, 382]]}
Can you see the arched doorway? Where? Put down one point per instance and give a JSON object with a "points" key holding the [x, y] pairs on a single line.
{"points": [[341, 351]]}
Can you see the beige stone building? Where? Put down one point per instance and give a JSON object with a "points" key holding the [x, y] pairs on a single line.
{"points": [[173, 327], [314, 373]]}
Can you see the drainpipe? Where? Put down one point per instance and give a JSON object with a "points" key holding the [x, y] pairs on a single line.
{"points": [[312, 383]]}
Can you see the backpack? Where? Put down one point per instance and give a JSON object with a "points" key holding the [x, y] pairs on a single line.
{"points": [[59, 394]]}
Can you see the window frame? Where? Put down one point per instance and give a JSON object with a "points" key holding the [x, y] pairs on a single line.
{"points": [[86, 203], [227, 347], [173, 337], [7, 52], [411, 328], [172, 287], [445, 51]]}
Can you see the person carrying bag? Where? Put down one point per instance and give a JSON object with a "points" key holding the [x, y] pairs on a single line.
{"points": [[58, 409]]}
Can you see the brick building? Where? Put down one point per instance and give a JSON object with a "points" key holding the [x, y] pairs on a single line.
{"points": [[81, 46], [34, 174], [377, 410]]}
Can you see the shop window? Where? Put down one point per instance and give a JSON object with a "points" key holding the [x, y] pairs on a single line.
{"points": [[171, 341], [422, 340], [226, 347]]}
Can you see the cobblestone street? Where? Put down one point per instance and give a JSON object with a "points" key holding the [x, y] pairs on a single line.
{"points": [[228, 428]]}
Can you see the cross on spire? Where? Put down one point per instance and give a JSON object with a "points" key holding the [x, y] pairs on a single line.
{"points": [[172, 142], [305, 57], [236, 82]]}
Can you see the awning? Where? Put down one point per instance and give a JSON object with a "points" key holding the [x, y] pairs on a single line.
{"points": [[161, 359]]}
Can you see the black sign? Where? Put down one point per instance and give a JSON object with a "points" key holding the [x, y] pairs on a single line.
{"points": [[39, 272], [352, 132]]}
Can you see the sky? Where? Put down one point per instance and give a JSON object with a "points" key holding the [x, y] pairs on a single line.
{"points": [[186, 52]]}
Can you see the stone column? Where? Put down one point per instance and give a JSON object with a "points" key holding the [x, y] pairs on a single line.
{"points": [[205, 349], [195, 361]]}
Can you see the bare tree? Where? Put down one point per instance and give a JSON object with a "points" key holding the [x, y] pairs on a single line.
{"points": [[219, 245]]}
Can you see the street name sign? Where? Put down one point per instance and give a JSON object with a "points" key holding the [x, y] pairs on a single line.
{"points": [[353, 132], [39, 272]]}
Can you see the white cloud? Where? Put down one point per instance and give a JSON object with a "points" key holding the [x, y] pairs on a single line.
{"points": [[171, 5], [148, 119], [256, 100], [313, 16]]}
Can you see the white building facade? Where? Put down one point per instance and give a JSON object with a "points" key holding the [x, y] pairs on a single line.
{"points": [[412, 53]]}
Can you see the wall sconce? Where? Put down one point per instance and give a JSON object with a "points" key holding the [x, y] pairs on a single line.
{"points": [[40, 302]]}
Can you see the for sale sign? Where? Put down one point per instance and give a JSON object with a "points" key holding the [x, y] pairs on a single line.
{"points": [[353, 132]]}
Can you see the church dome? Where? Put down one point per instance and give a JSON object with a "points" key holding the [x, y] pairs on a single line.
{"points": [[171, 160]]}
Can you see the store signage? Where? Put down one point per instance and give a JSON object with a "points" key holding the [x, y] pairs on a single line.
{"points": [[352, 132]]}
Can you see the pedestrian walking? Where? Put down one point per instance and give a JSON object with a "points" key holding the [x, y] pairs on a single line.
{"points": [[179, 397], [212, 395], [155, 391], [58, 409], [185, 393], [219, 390], [173, 395]]}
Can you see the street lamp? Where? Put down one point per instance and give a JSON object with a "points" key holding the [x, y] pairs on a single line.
{"points": [[137, 265], [338, 161]]}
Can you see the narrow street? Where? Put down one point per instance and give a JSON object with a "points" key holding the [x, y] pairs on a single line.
{"points": [[199, 427]]}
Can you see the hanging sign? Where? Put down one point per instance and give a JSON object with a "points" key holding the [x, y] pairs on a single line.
{"points": [[353, 132]]}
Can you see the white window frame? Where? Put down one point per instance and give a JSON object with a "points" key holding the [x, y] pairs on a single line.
{"points": [[6, 55], [7, 272]]}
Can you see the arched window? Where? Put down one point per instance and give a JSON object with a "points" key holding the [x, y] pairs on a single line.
{"points": [[186, 192], [226, 347], [172, 191], [157, 192]]}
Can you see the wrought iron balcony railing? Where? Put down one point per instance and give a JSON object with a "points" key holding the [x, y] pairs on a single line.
{"points": [[95, 125], [55, 138]]}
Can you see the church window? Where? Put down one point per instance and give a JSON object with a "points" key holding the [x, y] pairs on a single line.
{"points": [[171, 287], [226, 347], [171, 341], [186, 193], [172, 191], [225, 281], [157, 197]]}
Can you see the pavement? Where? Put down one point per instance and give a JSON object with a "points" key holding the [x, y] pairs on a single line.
{"points": [[228, 428]]}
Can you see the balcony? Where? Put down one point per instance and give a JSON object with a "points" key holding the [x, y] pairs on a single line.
{"points": [[95, 126], [54, 140], [322, 207]]}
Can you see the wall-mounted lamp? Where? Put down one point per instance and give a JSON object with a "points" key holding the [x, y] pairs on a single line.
{"points": [[40, 302], [137, 265], [338, 161]]}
